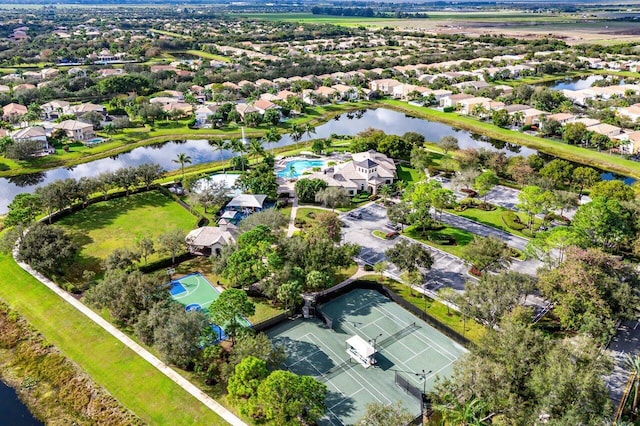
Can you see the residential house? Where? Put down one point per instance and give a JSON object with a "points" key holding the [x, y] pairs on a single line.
{"points": [[605, 129], [532, 116], [54, 109], [4, 89], [81, 109], [49, 73], [244, 109], [13, 110], [23, 87], [210, 240], [467, 105], [631, 112], [346, 93], [632, 145], [474, 85], [285, 94], [109, 72], [32, 134], [440, 94], [385, 85], [368, 171], [180, 108], [587, 121], [163, 100], [263, 105], [76, 130], [269, 97], [204, 111], [454, 100], [230, 85], [561, 117]]}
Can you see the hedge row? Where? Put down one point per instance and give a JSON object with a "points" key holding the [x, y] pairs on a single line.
{"points": [[512, 220]]}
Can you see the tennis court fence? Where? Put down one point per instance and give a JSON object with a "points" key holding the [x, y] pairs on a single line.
{"points": [[404, 384], [328, 321]]}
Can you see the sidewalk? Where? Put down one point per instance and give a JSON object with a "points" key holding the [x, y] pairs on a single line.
{"points": [[212, 404]]}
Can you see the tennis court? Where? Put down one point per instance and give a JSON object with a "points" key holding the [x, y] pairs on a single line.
{"points": [[196, 293], [409, 350]]}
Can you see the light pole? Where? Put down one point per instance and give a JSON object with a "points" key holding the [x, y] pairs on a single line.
{"points": [[423, 376]]}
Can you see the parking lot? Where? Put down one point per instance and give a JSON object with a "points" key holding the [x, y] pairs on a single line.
{"points": [[447, 270]]}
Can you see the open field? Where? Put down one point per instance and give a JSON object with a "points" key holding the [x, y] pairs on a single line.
{"points": [[105, 226], [130, 379], [462, 238]]}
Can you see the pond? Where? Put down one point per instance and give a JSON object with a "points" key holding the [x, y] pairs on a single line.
{"points": [[200, 151], [13, 411], [575, 83]]}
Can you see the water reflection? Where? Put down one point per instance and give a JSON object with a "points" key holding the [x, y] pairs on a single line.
{"points": [[201, 151]]}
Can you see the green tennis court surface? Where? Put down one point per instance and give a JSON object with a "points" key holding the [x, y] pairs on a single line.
{"points": [[406, 347]]}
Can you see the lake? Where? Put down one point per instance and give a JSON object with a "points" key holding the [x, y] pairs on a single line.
{"points": [[200, 151], [12, 411], [575, 83]]}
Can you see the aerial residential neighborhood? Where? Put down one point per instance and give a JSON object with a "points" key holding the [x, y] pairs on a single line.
{"points": [[301, 214]]}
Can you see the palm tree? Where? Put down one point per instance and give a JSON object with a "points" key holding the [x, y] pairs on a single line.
{"points": [[633, 363], [296, 133], [518, 118], [272, 136], [385, 192], [236, 145], [182, 159], [218, 144], [309, 129], [255, 148]]}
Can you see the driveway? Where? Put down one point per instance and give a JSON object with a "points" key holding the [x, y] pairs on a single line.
{"points": [[625, 342], [477, 228], [447, 270]]}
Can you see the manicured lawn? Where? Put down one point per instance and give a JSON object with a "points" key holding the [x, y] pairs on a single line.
{"points": [[344, 273], [135, 383], [597, 159], [307, 213], [207, 55], [494, 219], [449, 317], [462, 238], [105, 226], [407, 174]]}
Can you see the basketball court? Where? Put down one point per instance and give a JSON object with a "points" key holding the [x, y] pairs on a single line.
{"points": [[196, 293], [410, 354]]}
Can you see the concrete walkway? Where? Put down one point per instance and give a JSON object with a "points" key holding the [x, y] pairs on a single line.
{"points": [[292, 219], [164, 368]]}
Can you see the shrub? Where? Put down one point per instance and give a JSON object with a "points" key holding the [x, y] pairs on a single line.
{"points": [[311, 215], [470, 192], [512, 220], [449, 109]]}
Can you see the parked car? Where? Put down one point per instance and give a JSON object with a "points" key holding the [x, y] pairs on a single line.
{"points": [[355, 215], [392, 226]]}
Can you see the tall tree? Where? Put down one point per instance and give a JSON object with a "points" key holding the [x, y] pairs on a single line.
{"points": [[533, 200], [378, 414], [172, 242], [591, 290], [495, 295], [228, 307], [288, 399], [487, 254], [182, 159], [47, 248], [332, 197], [448, 143], [408, 256], [604, 223]]}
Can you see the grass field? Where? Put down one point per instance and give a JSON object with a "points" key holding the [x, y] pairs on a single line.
{"points": [[105, 226], [135, 383], [577, 154], [407, 174], [207, 55], [462, 238], [494, 219]]}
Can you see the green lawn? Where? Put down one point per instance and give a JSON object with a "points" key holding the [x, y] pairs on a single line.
{"points": [[462, 238], [577, 154], [494, 219], [449, 317], [407, 174], [105, 226], [134, 382], [207, 55]]}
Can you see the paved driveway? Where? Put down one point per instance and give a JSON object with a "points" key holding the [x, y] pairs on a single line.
{"points": [[477, 228], [447, 270]]}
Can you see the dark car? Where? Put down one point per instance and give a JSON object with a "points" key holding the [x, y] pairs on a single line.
{"points": [[355, 215], [392, 226]]}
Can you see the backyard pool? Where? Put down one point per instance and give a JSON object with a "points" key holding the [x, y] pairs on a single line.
{"points": [[295, 168]]}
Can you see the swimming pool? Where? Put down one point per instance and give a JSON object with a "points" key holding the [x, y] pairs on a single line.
{"points": [[295, 168]]}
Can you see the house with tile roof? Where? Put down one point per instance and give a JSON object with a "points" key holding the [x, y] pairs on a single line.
{"points": [[367, 171]]}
